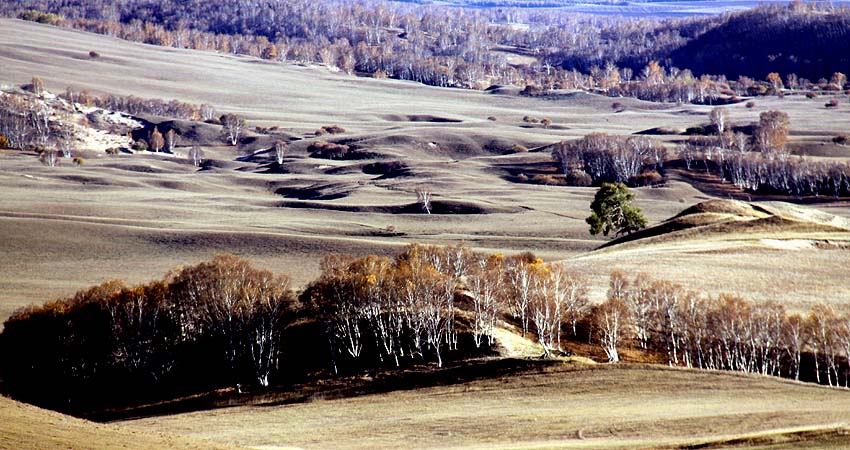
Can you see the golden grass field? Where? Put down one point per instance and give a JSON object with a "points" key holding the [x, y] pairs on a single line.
{"points": [[25, 427], [564, 406], [136, 216]]}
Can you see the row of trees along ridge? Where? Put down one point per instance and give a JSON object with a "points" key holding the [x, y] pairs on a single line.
{"points": [[225, 323]]}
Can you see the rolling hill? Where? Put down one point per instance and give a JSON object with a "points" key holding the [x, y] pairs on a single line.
{"points": [[559, 405], [134, 215], [25, 427], [131, 216]]}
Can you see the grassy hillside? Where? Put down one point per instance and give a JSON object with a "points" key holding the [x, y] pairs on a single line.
{"points": [[25, 427], [560, 406], [130, 216], [133, 215]]}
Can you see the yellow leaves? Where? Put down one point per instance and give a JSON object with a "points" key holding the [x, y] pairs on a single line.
{"points": [[539, 267]]}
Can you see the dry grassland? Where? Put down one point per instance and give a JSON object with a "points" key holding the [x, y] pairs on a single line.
{"points": [[135, 216], [25, 427], [568, 406]]}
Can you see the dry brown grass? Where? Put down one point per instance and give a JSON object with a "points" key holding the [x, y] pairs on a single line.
{"points": [[766, 251], [135, 216], [24, 427], [567, 406]]}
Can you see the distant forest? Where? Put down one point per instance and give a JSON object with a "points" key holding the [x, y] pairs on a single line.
{"points": [[697, 60]]}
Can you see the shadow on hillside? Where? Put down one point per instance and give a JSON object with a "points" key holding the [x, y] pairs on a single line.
{"points": [[337, 388]]}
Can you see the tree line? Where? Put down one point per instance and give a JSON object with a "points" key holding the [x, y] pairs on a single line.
{"points": [[133, 105], [25, 121], [603, 158], [449, 46], [225, 323], [218, 323], [724, 332], [32, 120], [758, 159]]}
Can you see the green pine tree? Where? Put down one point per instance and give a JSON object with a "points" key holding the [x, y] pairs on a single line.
{"points": [[612, 209]]}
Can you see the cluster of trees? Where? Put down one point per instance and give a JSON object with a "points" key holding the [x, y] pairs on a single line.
{"points": [[226, 323], [807, 39], [761, 162], [135, 105], [27, 121], [217, 323], [600, 158], [448, 46], [724, 332], [380, 310]]}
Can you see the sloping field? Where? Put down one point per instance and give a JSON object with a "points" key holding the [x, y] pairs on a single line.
{"points": [[24, 427], [564, 406], [136, 216], [768, 251]]}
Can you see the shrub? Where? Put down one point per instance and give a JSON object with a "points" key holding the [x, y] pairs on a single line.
{"points": [[832, 103], [758, 89], [40, 17], [94, 55], [4, 142], [522, 178], [79, 161], [811, 95], [841, 139], [532, 91], [139, 146], [652, 178], [328, 150], [617, 106], [578, 178], [384, 167], [751, 104], [114, 151], [333, 129], [551, 180]]}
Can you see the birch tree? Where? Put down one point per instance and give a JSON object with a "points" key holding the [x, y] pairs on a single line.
{"points": [[486, 289], [233, 127], [610, 320]]}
